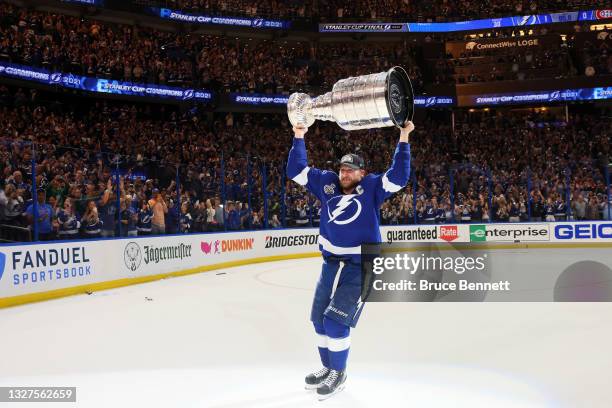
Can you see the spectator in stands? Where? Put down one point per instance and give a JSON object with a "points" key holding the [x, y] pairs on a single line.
{"points": [[211, 223], [129, 219], [44, 219], [219, 219], [607, 210], [145, 217], [58, 189], [172, 217], [186, 219], [107, 209], [159, 208], [232, 216], [90, 222], [13, 205], [68, 222], [579, 208], [592, 209]]}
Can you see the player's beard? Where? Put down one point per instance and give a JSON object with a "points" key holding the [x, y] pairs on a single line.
{"points": [[348, 185]]}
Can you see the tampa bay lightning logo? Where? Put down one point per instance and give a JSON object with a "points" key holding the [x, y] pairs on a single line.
{"points": [[258, 22], [431, 101], [387, 27], [343, 209], [56, 77], [555, 95], [527, 20], [188, 94]]}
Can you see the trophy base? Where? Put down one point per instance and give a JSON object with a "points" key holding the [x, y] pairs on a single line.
{"points": [[399, 96]]}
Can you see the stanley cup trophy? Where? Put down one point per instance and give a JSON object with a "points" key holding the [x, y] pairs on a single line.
{"points": [[363, 102]]}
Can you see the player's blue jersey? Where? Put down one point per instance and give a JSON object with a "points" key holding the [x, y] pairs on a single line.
{"points": [[348, 220]]}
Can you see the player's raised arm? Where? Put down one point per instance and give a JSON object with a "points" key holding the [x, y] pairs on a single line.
{"points": [[297, 164], [398, 174]]}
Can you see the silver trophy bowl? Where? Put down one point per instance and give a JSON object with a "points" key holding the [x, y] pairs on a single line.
{"points": [[363, 102]]}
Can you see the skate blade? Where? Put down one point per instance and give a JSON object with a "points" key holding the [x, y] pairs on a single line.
{"points": [[311, 387], [337, 390]]}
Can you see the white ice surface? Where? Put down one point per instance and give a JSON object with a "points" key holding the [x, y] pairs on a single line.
{"points": [[243, 339]]}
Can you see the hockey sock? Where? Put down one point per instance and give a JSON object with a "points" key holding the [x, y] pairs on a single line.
{"points": [[323, 351], [338, 343]]}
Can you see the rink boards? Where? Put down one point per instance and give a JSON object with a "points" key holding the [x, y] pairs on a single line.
{"points": [[34, 272]]}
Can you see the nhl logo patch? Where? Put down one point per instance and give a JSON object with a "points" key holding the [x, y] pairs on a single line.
{"points": [[359, 190], [329, 189]]}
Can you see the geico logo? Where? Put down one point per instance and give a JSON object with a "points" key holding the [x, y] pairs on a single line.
{"points": [[583, 231]]}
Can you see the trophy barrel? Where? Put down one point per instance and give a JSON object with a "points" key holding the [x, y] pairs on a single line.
{"points": [[364, 102]]}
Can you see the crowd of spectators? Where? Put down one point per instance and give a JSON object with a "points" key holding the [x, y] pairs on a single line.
{"points": [[123, 52], [105, 168], [555, 56], [101, 162], [595, 53], [228, 64], [516, 64]]}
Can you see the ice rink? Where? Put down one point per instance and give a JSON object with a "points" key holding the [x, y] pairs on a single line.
{"points": [[241, 337]]}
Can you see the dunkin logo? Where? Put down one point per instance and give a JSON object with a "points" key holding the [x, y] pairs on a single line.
{"points": [[227, 245]]}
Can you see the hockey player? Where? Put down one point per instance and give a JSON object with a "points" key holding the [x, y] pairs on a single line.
{"points": [[350, 204]]}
